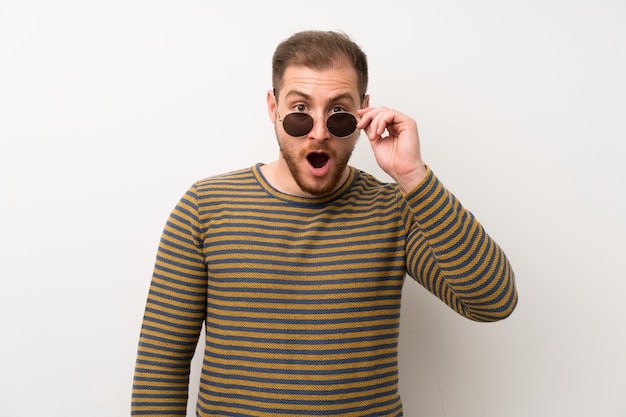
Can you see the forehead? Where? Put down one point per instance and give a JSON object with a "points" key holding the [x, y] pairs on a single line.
{"points": [[320, 84]]}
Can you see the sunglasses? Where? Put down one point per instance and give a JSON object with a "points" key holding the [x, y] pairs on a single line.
{"points": [[340, 124]]}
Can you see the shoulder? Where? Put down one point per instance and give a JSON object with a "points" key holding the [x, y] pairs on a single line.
{"points": [[233, 178], [369, 184], [222, 186]]}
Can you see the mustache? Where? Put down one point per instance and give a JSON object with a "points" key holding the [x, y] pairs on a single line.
{"points": [[320, 147]]}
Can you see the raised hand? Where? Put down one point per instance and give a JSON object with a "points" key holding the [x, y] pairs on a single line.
{"points": [[395, 142]]}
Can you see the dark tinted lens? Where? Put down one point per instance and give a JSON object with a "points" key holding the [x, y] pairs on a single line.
{"points": [[297, 124], [341, 124]]}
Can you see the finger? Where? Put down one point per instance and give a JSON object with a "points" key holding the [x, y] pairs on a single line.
{"points": [[381, 121], [371, 119], [367, 122], [366, 116]]}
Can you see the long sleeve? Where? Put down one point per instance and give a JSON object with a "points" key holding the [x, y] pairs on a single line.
{"points": [[173, 317], [452, 256], [301, 296]]}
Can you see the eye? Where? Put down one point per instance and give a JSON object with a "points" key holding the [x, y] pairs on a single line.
{"points": [[336, 109], [300, 108]]}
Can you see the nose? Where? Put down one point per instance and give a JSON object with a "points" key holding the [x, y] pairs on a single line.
{"points": [[319, 133]]}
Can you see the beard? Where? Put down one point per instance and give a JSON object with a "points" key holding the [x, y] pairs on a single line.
{"points": [[318, 187]]}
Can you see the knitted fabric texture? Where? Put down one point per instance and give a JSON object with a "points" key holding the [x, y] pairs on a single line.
{"points": [[300, 297]]}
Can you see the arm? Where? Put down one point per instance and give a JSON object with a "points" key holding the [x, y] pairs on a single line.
{"points": [[173, 318], [451, 255], [448, 251]]}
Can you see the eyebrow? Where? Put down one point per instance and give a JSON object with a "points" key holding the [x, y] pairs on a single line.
{"points": [[308, 97]]}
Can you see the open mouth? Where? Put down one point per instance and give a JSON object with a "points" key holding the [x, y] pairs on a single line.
{"points": [[318, 159]]}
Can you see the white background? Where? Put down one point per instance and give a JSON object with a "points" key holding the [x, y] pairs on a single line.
{"points": [[109, 110]]}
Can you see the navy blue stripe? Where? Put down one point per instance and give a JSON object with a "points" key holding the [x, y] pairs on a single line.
{"points": [[298, 262], [370, 399], [344, 311], [261, 235], [200, 287], [304, 331], [304, 291], [391, 252], [356, 388], [293, 319], [187, 306], [311, 283], [375, 363], [161, 313], [164, 324], [140, 370], [160, 364], [316, 351], [165, 332], [299, 273], [305, 381], [295, 341]]}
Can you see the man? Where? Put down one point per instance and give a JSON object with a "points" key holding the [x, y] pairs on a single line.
{"points": [[295, 268]]}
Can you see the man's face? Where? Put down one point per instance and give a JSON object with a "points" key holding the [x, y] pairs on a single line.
{"points": [[317, 161]]}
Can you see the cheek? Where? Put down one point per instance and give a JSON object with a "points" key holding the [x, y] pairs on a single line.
{"points": [[286, 144], [349, 144]]}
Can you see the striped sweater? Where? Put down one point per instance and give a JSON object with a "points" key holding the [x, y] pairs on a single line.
{"points": [[300, 297]]}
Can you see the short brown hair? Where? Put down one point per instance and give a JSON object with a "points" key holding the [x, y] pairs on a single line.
{"points": [[319, 50]]}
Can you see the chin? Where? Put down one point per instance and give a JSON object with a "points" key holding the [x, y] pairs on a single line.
{"points": [[319, 187], [300, 167]]}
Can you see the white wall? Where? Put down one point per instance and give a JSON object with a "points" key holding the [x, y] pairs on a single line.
{"points": [[110, 109]]}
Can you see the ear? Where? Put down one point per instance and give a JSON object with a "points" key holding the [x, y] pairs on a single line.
{"points": [[271, 105], [366, 101]]}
